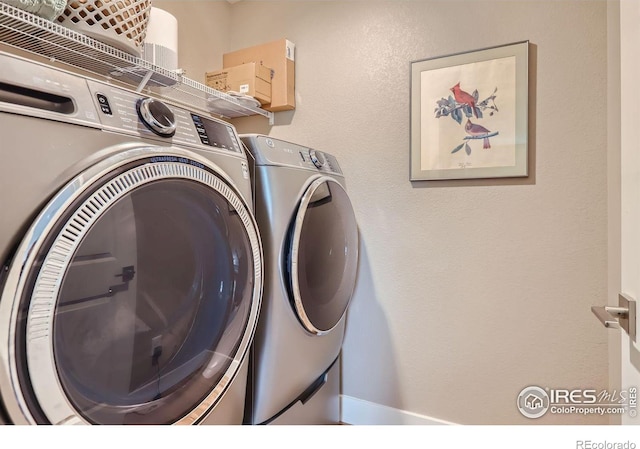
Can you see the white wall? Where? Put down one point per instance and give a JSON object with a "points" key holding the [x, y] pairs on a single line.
{"points": [[468, 291]]}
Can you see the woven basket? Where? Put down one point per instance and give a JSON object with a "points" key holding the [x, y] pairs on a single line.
{"points": [[120, 23]]}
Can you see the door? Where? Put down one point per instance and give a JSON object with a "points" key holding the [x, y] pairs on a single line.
{"points": [[322, 256], [133, 297], [630, 185]]}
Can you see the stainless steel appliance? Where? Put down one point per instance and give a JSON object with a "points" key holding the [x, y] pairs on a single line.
{"points": [[310, 241], [131, 263]]}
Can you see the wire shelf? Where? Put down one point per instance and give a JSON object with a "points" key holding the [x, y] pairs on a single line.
{"points": [[28, 32]]}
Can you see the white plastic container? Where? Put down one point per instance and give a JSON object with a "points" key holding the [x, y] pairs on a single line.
{"points": [[161, 41]]}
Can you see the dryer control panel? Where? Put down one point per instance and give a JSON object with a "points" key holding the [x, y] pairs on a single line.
{"points": [[123, 110], [269, 151]]}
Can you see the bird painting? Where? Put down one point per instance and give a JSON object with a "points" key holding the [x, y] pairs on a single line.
{"points": [[479, 131], [461, 104], [463, 97]]}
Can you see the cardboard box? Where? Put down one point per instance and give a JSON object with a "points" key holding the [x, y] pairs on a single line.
{"points": [[280, 56], [249, 79]]}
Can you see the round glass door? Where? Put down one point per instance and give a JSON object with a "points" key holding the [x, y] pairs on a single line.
{"points": [[143, 298], [323, 256]]}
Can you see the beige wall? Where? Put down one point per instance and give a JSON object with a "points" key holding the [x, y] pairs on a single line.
{"points": [[468, 291], [203, 33]]}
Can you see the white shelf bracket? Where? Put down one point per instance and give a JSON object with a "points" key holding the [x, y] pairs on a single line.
{"points": [[144, 81]]}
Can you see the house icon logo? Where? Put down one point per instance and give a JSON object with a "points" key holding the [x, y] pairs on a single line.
{"points": [[533, 402]]}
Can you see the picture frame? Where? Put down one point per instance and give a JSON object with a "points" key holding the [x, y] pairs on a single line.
{"points": [[469, 114]]}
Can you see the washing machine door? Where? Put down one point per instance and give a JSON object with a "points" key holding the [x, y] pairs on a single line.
{"points": [[133, 297], [323, 256]]}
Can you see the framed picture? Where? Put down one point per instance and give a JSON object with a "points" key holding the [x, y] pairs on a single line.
{"points": [[469, 114]]}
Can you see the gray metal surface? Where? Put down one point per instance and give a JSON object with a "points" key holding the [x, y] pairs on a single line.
{"points": [[231, 409], [286, 358], [269, 151], [43, 149], [321, 408]]}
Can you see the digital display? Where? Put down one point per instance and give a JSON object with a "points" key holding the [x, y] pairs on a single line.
{"points": [[216, 134]]}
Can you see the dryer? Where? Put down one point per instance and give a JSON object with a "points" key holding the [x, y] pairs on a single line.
{"points": [[310, 239], [131, 262]]}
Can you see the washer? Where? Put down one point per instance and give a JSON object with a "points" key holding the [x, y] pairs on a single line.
{"points": [[310, 239], [131, 262]]}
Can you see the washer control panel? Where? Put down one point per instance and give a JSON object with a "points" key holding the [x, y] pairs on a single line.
{"points": [[269, 151], [123, 110]]}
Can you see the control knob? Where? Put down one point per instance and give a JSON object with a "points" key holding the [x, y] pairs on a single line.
{"points": [[317, 158], [156, 116]]}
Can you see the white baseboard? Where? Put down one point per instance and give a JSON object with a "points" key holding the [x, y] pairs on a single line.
{"points": [[359, 412]]}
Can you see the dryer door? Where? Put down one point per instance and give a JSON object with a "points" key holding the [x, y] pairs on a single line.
{"points": [[133, 297], [323, 256]]}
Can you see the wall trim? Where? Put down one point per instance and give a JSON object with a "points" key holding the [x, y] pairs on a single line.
{"points": [[360, 412]]}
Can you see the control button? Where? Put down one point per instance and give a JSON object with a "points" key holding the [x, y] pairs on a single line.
{"points": [[201, 130], [104, 104], [202, 133], [156, 116], [270, 143], [317, 158]]}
